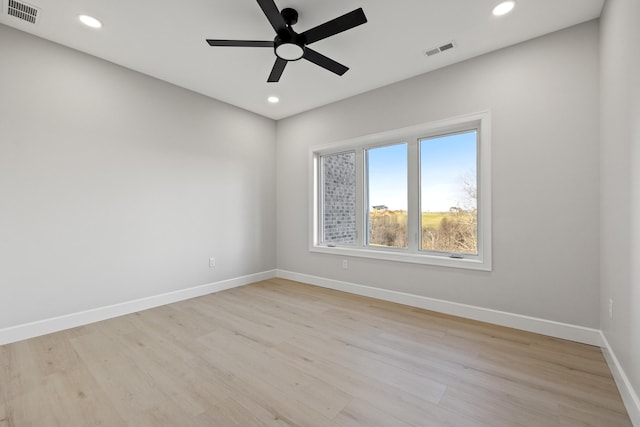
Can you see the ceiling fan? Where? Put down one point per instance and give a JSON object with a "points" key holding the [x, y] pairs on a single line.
{"points": [[291, 46]]}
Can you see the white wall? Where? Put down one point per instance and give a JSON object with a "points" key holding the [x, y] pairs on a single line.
{"points": [[620, 188], [115, 186], [543, 96]]}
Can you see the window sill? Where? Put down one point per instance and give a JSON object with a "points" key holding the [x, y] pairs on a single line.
{"points": [[471, 263]]}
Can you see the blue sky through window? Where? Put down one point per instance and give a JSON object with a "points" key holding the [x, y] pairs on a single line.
{"points": [[444, 163], [387, 169]]}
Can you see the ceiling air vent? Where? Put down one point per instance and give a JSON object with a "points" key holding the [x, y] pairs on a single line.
{"points": [[23, 11], [442, 48]]}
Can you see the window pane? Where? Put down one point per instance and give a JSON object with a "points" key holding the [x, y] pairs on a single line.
{"points": [[387, 196], [339, 204], [448, 193]]}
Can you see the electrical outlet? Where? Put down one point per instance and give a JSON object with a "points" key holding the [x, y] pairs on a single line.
{"points": [[345, 264], [212, 262], [610, 308]]}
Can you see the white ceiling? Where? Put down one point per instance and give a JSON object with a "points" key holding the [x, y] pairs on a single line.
{"points": [[166, 40]]}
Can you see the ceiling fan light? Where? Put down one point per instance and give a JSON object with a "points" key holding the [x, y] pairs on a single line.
{"points": [[504, 8], [289, 51], [273, 99]]}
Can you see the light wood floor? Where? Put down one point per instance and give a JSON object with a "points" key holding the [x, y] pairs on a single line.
{"points": [[280, 353]]}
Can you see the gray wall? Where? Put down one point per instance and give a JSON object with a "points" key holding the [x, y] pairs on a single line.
{"points": [[543, 96], [620, 187], [116, 186]]}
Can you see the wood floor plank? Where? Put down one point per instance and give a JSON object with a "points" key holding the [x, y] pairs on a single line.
{"points": [[229, 413], [256, 361], [361, 413], [407, 407], [280, 353]]}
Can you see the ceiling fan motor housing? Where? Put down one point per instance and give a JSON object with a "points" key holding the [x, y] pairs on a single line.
{"points": [[288, 44]]}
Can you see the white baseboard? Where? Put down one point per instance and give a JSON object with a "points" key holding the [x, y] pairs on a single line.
{"points": [[47, 326], [628, 393], [526, 323], [531, 324]]}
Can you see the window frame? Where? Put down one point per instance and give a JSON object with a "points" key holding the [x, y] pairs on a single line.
{"points": [[412, 135], [367, 201]]}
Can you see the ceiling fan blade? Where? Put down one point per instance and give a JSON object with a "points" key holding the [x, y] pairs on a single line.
{"points": [[327, 63], [273, 15], [335, 26], [240, 43], [277, 70]]}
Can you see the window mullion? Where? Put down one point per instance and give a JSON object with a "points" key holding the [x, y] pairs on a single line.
{"points": [[318, 193], [413, 187]]}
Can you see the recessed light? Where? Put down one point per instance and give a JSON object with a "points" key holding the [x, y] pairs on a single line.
{"points": [[90, 21], [504, 8], [273, 99]]}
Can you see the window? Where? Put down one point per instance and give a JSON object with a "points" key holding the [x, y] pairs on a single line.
{"points": [[448, 193], [418, 194], [387, 183]]}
